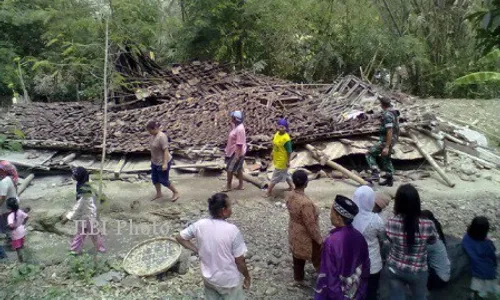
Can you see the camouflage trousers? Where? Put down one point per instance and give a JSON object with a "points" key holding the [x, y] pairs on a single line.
{"points": [[376, 151]]}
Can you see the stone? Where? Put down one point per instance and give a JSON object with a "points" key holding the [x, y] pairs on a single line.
{"points": [[256, 258], [271, 291], [132, 281], [277, 204], [249, 254], [488, 177], [337, 175], [464, 177], [273, 261], [478, 175], [468, 168], [283, 205], [104, 279]]}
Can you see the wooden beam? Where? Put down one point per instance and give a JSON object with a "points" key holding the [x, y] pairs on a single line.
{"points": [[31, 166], [25, 184], [321, 157], [120, 165], [258, 182], [429, 158], [68, 158], [199, 166], [481, 161]]}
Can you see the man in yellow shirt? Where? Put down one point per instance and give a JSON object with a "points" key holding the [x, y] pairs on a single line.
{"points": [[282, 151]]}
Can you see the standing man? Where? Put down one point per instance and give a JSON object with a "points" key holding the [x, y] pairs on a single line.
{"points": [[345, 262], [221, 249], [161, 160], [389, 134], [236, 149]]}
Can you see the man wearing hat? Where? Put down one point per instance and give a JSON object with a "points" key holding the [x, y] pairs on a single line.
{"points": [[345, 263], [389, 133], [235, 150]]}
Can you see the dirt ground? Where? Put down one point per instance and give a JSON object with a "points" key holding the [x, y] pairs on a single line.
{"points": [[262, 221], [53, 274]]}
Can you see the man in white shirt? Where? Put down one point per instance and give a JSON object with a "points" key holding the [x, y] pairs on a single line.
{"points": [[221, 249]]}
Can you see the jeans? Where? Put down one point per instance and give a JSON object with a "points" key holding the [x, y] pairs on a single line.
{"points": [[416, 281], [2, 253]]}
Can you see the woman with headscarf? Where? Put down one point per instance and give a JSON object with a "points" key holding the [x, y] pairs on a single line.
{"points": [[281, 155], [371, 227], [84, 213], [235, 151]]}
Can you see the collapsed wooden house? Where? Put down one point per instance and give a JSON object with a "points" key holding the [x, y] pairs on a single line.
{"points": [[193, 102]]}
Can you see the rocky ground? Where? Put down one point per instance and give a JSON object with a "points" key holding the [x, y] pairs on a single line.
{"points": [[52, 274]]}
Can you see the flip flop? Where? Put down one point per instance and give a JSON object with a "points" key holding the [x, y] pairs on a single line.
{"points": [[240, 189], [174, 198]]}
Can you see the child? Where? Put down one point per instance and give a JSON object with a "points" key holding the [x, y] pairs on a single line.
{"points": [[481, 252], [84, 213], [282, 151], [437, 257], [16, 220]]}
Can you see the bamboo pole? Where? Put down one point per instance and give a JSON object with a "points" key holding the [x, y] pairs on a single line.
{"points": [[67, 159], [321, 157], [105, 127], [430, 159]]}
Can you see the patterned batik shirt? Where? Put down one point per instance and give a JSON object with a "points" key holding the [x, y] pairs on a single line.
{"points": [[389, 120], [402, 257]]}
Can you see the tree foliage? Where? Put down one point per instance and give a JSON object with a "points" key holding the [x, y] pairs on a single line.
{"points": [[424, 45]]}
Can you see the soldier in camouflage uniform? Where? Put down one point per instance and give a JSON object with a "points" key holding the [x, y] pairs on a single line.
{"points": [[389, 133]]}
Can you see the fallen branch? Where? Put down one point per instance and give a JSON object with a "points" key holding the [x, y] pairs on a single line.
{"points": [[430, 159], [322, 158]]}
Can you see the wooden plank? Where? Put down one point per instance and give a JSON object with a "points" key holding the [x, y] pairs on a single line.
{"points": [[481, 161]]}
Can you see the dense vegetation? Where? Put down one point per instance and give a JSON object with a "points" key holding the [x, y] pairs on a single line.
{"points": [[53, 49]]}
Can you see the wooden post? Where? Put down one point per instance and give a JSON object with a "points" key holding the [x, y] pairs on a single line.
{"points": [[430, 159], [25, 184], [320, 157], [120, 165]]}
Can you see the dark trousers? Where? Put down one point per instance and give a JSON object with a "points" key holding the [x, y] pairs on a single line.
{"points": [[298, 268], [434, 282], [299, 264], [373, 282]]}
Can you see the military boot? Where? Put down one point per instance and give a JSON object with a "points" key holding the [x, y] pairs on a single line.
{"points": [[375, 175], [389, 181]]}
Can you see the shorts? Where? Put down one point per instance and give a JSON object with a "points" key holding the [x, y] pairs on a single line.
{"points": [[484, 287], [218, 293], [233, 164], [160, 176], [18, 244], [280, 175]]}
